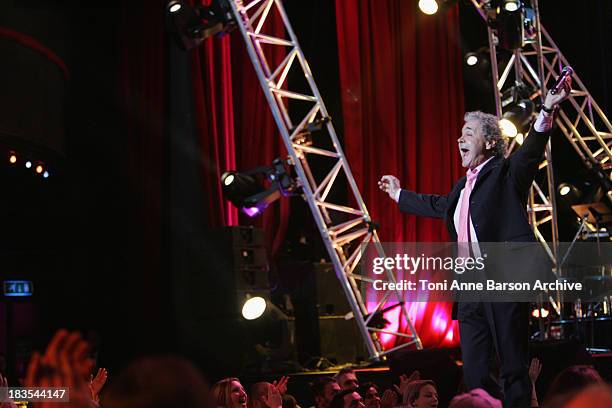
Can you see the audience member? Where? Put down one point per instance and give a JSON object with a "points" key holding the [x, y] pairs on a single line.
{"points": [[323, 390], [477, 398], [569, 382], [421, 394], [595, 396], [370, 394], [265, 395], [63, 364], [97, 383], [347, 399], [289, 401], [347, 379], [158, 382], [229, 393]]}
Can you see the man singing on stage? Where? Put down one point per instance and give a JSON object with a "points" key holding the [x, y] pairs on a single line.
{"points": [[489, 205]]}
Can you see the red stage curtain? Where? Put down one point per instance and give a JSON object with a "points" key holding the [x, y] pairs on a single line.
{"points": [[235, 125], [402, 100]]}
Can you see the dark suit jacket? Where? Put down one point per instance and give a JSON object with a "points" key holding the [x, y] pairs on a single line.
{"points": [[498, 202], [498, 208]]}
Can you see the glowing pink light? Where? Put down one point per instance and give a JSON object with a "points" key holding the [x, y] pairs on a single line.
{"points": [[251, 211]]}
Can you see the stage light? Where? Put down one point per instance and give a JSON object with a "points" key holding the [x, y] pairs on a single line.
{"points": [[39, 169], [428, 7], [517, 118], [46, 174], [540, 313], [228, 179], [508, 128], [28, 164], [253, 308], [471, 59], [564, 190], [519, 138], [253, 191], [191, 25], [569, 194], [13, 158], [174, 6], [512, 5]]}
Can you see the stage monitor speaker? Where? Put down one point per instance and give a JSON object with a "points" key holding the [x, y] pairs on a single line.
{"points": [[340, 340], [331, 300], [230, 264]]}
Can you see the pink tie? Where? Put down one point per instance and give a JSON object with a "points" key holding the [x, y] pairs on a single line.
{"points": [[463, 235]]}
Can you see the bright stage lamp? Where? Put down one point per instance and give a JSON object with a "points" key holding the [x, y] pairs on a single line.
{"points": [[253, 308], [471, 59], [564, 190], [428, 6], [512, 5], [174, 6], [508, 128]]}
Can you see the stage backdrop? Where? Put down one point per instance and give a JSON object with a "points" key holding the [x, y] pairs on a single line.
{"points": [[402, 100]]}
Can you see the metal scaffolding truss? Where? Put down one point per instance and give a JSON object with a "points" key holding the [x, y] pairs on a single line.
{"points": [[345, 229], [580, 119]]}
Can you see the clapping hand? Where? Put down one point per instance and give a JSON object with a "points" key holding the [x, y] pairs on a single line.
{"points": [[281, 385], [4, 384], [96, 383], [62, 366]]}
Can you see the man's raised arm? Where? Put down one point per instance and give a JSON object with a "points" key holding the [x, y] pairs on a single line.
{"points": [[425, 205]]}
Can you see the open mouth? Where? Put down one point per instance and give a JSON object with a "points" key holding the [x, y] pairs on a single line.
{"points": [[242, 401]]}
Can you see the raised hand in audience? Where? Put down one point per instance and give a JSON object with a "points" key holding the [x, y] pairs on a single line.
{"points": [[407, 379], [4, 384], [96, 383], [62, 366], [389, 399], [281, 385]]}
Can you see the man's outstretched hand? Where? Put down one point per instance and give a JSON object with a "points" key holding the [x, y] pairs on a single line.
{"points": [[553, 100], [390, 185]]}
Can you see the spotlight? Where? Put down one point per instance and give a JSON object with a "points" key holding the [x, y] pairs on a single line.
{"points": [[13, 158], [253, 308], [174, 6], [28, 164], [564, 190], [39, 169], [191, 25], [509, 25], [253, 191], [569, 194], [517, 118], [46, 174], [508, 128], [471, 59], [519, 138], [540, 313], [511, 5], [428, 7]]}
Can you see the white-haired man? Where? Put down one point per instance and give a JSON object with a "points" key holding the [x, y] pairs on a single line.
{"points": [[489, 205]]}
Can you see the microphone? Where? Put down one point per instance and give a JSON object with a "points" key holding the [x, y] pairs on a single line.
{"points": [[567, 71]]}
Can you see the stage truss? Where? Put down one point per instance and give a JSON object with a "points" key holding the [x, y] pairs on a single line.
{"points": [[580, 119], [345, 229]]}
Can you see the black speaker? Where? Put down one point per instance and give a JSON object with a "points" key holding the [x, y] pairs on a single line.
{"points": [[331, 300], [340, 339], [233, 266]]}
